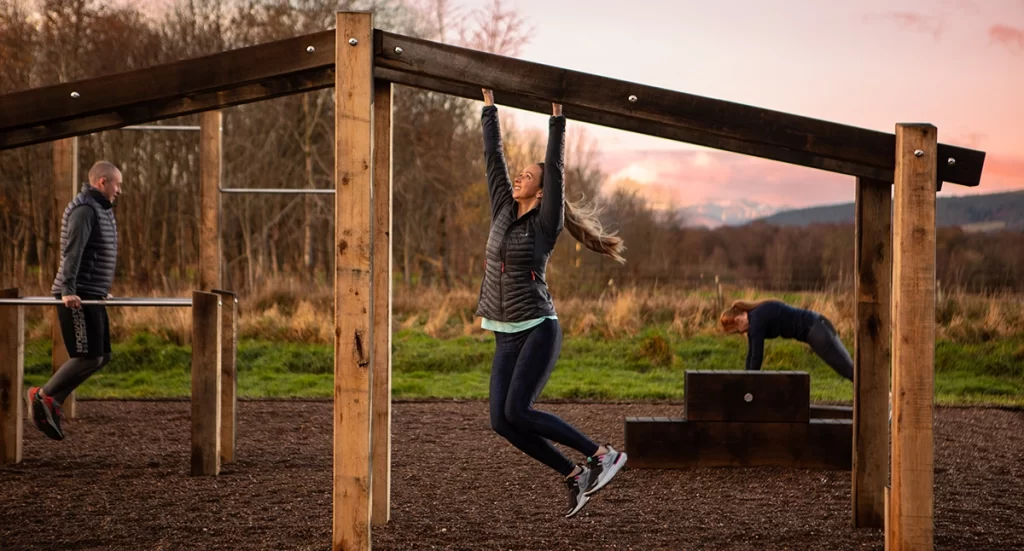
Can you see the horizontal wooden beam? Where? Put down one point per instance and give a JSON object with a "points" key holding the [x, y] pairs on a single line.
{"points": [[703, 116], [169, 108], [304, 63], [625, 122], [180, 79]]}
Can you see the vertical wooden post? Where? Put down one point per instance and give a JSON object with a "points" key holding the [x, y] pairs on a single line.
{"points": [[210, 138], [206, 373], [888, 520], [12, 373], [353, 138], [380, 445], [913, 339], [872, 244], [65, 187], [228, 374]]}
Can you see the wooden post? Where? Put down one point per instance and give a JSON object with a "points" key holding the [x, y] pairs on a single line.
{"points": [[872, 245], [380, 445], [353, 138], [210, 138], [65, 187], [206, 373], [228, 375], [888, 520], [12, 372], [913, 339]]}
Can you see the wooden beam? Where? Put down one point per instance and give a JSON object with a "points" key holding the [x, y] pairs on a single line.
{"points": [[872, 245], [210, 154], [206, 373], [12, 374], [380, 446], [228, 375], [913, 339], [180, 79], [630, 124], [171, 107], [241, 76], [65, 187], [353, 139], [657, 105]]}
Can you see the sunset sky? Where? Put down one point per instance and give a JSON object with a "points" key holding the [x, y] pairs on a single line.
{"points": [[958, 64]]}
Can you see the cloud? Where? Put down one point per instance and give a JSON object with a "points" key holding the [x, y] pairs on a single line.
{"points": [[693, 177], [910, 21], [1010, 37]]}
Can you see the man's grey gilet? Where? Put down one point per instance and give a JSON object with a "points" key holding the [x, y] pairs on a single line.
{"points": [[95, 272]]}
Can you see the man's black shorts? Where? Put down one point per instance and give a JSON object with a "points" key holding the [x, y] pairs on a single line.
{"points": [[86, 330]]}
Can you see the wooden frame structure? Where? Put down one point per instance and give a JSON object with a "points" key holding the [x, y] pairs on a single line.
{"points": [[362, 63], [213, 372]]}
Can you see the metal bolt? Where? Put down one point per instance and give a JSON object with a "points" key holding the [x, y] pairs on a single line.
{"points": [[951, 161], [398, 50], [918, 153], [310, 49], [632, 98], [353, 41], [748, 397], [75, 95]]}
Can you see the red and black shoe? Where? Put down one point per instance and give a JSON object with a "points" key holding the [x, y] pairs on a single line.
{"points": [[46, 413]]}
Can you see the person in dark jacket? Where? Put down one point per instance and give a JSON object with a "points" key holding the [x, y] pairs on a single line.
{"points": [[770, 319], [527, 216], [88, 244]]}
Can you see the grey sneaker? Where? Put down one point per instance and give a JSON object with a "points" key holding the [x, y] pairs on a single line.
{"points": [[576, 485], [603, 468]]}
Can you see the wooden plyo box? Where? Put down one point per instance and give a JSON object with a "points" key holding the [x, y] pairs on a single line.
{"points": [[747, 396], [743, 419]]}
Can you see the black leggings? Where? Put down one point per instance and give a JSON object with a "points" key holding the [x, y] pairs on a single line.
{"points": [[73, 373], [825, 342], [523, 362]]}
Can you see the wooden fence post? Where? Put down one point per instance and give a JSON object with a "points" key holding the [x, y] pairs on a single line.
{"points": [[65, 187], [12, 373], [206, 387], [229, 375]]}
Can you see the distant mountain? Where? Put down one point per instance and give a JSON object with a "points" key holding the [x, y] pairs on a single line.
{"points": [[726, 213], [972, 212]]}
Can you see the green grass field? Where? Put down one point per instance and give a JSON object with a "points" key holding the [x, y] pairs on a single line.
{"points": [[648, 366]]}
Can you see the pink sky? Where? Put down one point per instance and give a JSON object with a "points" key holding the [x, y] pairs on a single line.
{"points": [[958, 64]]}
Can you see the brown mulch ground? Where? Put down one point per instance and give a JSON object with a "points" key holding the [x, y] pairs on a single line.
{"points": [[120, 481]]}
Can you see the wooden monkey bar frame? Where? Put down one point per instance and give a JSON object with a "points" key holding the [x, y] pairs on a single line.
{"points": [[895, 256]]}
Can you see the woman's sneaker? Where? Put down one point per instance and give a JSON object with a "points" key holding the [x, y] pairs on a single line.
{"points": [[576, 485], [46, 413], [603, 468]]}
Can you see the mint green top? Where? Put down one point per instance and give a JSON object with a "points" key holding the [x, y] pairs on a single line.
{"points": [[513, 326]]}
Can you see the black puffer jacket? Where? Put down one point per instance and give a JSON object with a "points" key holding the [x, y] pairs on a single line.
{"points": [[88, 247], [514, 288]]}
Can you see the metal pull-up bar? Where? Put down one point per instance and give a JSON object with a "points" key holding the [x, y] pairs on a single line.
{"points": [[289, 191], [179, 128], [49, 301]]}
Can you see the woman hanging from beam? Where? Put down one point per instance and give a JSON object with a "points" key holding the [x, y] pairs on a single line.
{"points": [[769, 319], [527, 216]]}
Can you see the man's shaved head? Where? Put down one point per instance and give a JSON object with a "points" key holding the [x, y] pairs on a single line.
{"points": [[102, 169], [106, 178]]}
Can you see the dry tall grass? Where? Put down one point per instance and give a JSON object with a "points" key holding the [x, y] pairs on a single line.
{"points": [[296, 311]]}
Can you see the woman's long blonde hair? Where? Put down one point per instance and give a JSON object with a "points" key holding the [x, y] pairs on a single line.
{"points": [[582, 222], [728, 317]]}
